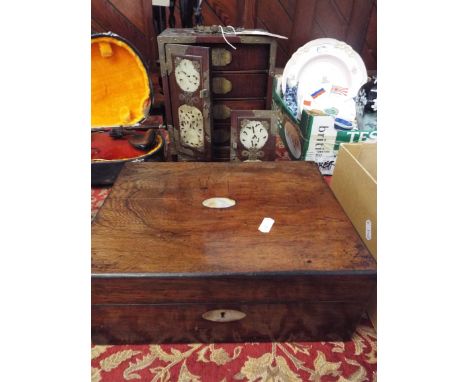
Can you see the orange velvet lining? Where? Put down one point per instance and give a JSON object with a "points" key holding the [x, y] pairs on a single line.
{"points": [[120, 94]]}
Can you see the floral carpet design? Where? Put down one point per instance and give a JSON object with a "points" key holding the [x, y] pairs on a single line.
{"points": [[353, 361]]}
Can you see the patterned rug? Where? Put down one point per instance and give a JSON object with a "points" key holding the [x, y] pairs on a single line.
{"points": [[352, 361]]}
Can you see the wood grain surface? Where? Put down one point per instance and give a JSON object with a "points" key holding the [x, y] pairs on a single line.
{"points": [[131, 324], [154, 222], [132, 20], [247, 288], [161, 261], [301, 21]]}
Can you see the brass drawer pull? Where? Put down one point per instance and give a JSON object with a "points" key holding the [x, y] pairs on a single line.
{"points": [[223, 315], [221, 85], [220, 57], [221, 111], [221, 136]]}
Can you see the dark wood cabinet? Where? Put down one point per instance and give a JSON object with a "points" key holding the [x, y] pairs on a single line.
{"points": [[239, 79]]}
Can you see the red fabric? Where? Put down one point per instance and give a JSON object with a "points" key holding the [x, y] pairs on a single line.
{"points": [[352, 361], [103, 146]]}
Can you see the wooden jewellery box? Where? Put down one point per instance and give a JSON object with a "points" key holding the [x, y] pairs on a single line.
{"points": [[204, 79], [167, 267], [121, 96]]}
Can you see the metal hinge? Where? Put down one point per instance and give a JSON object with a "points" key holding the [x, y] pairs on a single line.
{"points": [[204, 93]]}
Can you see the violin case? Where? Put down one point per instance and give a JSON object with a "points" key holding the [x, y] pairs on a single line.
{"points": [[121, 98]]}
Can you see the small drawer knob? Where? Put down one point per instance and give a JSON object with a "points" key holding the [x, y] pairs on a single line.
{"points": [[221, 85], [221, 111], [223, 315], [220, 57]]}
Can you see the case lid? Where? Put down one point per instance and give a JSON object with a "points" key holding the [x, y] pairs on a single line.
{"points": [[156, 242], [120, 84]]}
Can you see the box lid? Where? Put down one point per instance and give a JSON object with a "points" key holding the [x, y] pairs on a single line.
{"points": [[121, 89], [154, 234]]}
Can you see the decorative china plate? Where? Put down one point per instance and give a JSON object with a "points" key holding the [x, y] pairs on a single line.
{"points": [[290, 68], [293, 140], [328, 73]]}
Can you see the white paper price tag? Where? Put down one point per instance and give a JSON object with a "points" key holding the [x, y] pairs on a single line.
{"points": [[266, 225], [368, 229]]}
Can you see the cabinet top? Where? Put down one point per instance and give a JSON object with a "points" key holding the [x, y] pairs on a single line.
{"points": [[191, 36], [154, 222]]}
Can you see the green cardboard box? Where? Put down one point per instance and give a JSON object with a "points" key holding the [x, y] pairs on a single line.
{"points": [[315, 137]]}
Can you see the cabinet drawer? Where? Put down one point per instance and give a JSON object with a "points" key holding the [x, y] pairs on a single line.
{"points": [[239, 85], [222, 109], [131, 324], [245, 57]]}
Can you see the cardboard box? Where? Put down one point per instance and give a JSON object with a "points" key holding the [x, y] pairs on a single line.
{"points": [[319, 138], [323, 140], [354, 184]]}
